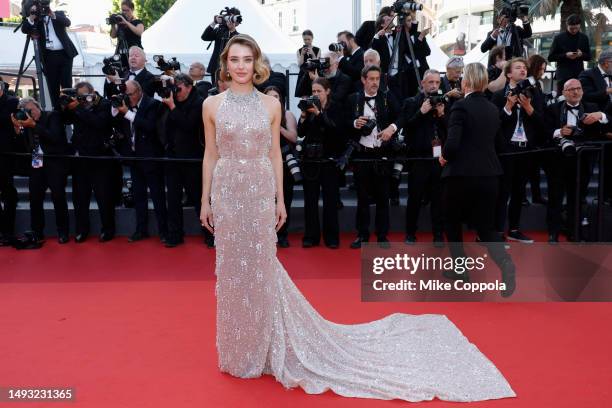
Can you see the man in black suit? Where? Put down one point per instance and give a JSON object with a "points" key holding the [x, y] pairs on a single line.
{"points": [[470, 173], [57, 50], [566, 121], [91, 116], [8, 193], [341, 84], [521, 126], [137, 122], [424, 130], [403, 81], [137, 72], [367, 30], [197, 73], [351, 61], [220, 31], [508, 35], [44, 133], [569, 50], [184, 140], [372, 177]]}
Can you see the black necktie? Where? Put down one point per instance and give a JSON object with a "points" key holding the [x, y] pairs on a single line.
{"points": [[571, 108], [370, 98], [132, 73]]}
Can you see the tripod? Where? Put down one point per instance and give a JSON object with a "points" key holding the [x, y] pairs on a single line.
{"points": [[395, 51], [37, 62]]}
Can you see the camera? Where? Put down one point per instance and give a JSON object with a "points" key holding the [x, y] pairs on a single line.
{"points": [[337, 47], [163, 65], [115, 19], [369, 127], [42, 8], [67, 95], [515, 8], [289, 156], [22, 114], [307, 55], [119, 99], [437, 98], [568, 146], [319, 65], [525, 87], [406, 6], [112, 65], [229, 15], [164, 86], [309, 102]]}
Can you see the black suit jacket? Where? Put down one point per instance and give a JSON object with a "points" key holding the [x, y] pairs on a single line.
{"points": [[553, 121], [146, 141], [387, 111], [516, 42], [382, 46], [352, 65], [51, 134], [421, 51], [216, 35], [203, 87], [473, 138], [564, 43], [594, 87], [365, 33], [185, 129], [92, 128], [532, 124], [144, 78], [8, 106], [419, 129], [60, 23], [326, 128], [277, 79]]}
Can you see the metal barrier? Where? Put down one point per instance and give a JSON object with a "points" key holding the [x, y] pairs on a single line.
{"points": [[30, 77]]}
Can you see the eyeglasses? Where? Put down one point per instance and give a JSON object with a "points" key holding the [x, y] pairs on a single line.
{"points": [[573, 89]]}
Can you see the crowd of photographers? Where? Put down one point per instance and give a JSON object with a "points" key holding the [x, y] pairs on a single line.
{"points": [[369, 103]]}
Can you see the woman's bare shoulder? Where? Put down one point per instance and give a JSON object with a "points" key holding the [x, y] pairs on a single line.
{"points": [[272, 104], [211, 104]]}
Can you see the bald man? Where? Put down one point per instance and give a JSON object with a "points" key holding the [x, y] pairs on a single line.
{"points": [[197, 71], [574, 121], [136, 71]]}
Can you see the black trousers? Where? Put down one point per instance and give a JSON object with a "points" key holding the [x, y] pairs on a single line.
{"points": [[404, 84], [512, 186], [58, 71], [288, 183], [472, 199], [372, 179], [321, 178], [53, 175], [93, 176], [8, 197], [424, 178], [183, 177], [562, 175], [149, 176]]}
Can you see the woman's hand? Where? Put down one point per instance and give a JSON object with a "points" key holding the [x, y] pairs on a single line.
{"points": [[281, 215], [206, 217]]}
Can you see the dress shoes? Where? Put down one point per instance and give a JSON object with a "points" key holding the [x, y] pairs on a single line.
{"points": [[465, 277], [356, 244], [410, 240], [138, 236], [283, 242], [80, 238], [210, 242], [438, 240], [106, 236], [553, 238], [63, 238], [383, 242], [333, 245], [307, 243], [173, 242]]}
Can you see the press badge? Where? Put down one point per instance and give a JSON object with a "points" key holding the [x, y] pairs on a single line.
{"points": [[49, 44], [437, 147], [37, 158]]}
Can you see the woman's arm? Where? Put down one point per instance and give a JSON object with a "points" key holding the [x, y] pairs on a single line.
{"points": [[211, 155], [113, 32], [290, 132], [277, 162], [137, 29]]}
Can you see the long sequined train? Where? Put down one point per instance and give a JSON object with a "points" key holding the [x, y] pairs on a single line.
{"points": [[266, 326]]}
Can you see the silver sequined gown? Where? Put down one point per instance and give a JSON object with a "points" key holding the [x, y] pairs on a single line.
{"points": [[266, 326]]}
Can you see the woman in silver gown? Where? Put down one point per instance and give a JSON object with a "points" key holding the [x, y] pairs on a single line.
{"points": [[264, 323]]}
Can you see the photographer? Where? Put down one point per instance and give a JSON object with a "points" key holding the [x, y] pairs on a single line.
{"points": [[470, 174], [185, 140], [197, 73], [425, 128], [137, 72], [136, 119], [351, 61], [403, 81], [91, 116], [44, 133], [57, 50], [495, 70], [569, 122], [383, 40], [521, 128], [319, 124], [451, 82], [220, 31], [340, 83], [371, 117], [8, 193], [288, 140], [307, 52], [127, 29], [507, 34], [368, 29]]}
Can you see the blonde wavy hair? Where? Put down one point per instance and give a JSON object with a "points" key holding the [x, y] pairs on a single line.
{"points": [[476, 76], [261, 70]]}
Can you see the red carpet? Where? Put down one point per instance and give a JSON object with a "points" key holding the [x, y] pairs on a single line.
{"points": [[134, 326]]}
